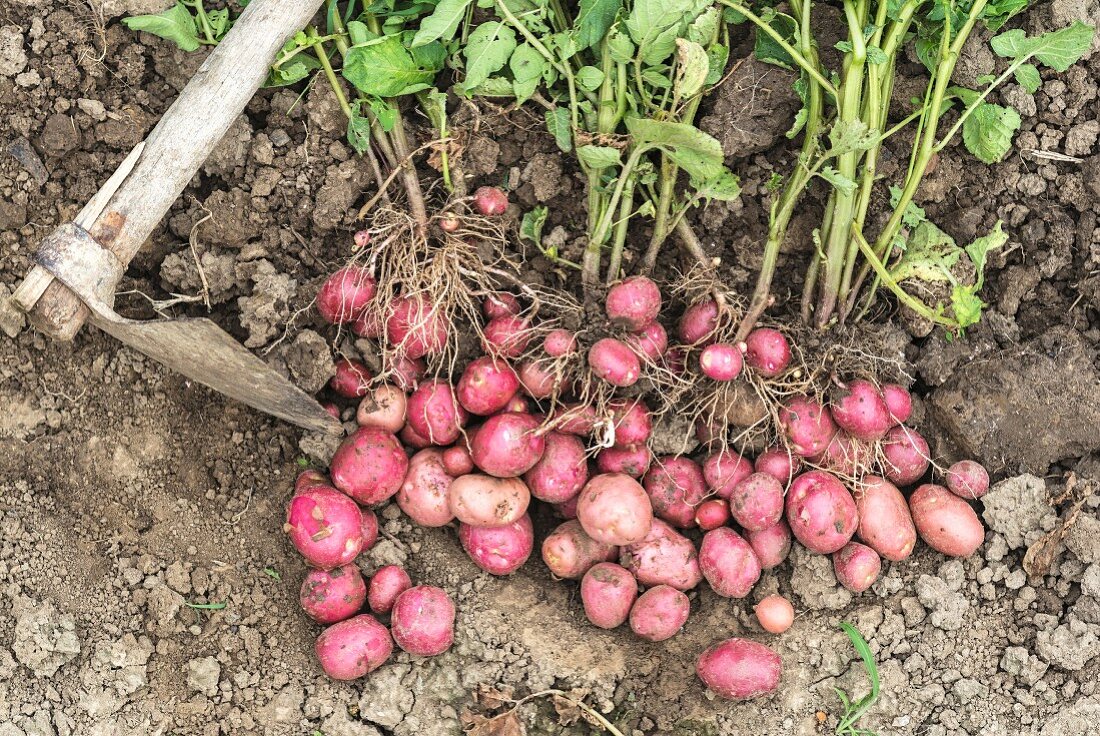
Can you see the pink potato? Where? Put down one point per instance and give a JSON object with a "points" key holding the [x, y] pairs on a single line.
{"points": [[325, 526], [568, 509], [424, 495], [633, 423], [699, 322], [352, 379], [310, 478], [406, 372], [383, 407], [486, 385], [899, 402], [728, 563], [354, 648], [664, 557], [490, 201], [388, 582], [884, 521], [412, 438], [739, 669], [506, 336], [721, 362], [457, 461], [578, 419], [368, 528], [434, 412], [614, 509], [907, 455], [675, 487], [500, 304], [659, 613], [499, 550], [608, 592], [767, 351], [861, 411], [369, 465], [856, 566], [756, 503], [847, 456], [539, 379], [614, 362], [633, 303], [775, 613], [561, 472], [967, 479], [821, 512], [332, 409], [368, 324], [722, 471], [780, 463], [328, 596], [345, 294], [808, 426], [423, 621], [633, 461], [508, 445], [712, 514], [946, 522], [482, 500], [650, 342], [559, 343], [771, 545], [416, 327], [569, 552], [517, 405]]}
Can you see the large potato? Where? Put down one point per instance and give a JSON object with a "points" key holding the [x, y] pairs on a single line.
{"points": [[884, 520], [614, 509], [482, 500], [945, 522]]}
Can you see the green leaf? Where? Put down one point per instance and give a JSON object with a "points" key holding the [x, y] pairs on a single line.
{"points": [[913, 214], [359, 33], [272, 573], [219, 22], [966, 307], [205, 606], [442, 23], [801, 88], [487, 51], [434, 103], [717, 57], [654, 25], [692, 67], [997, 12], [656, 79], [594, 19], [840, 181], [599, 157], [1059, 49], [530, 226], [295, 69], [175, 24], [589, 78], [358, 129], [677, 135], [527, 66], [875, 55], [385, 112], [494, 87], [385, 68], [988, 131], [723, 185], [930, 254], [704, 29], [558, 123], [767, 50], [978, 251], [620, 46], [1027, 76], [851, 135]]}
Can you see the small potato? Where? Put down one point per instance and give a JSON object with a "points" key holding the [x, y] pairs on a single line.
{"points": [[457, 461], [369, 465], [415, 327], [633, 303], [885, 524], [821, 512], [663, 557], [856, 566], [907, 455], [423, 621], [808, 425], [325, 526], [780, 463], [608, 592], [945, 522], [486, 385], [424, 495], [383, 407], [633, 461], [771, 545], [614, 509], [632, 421], [561, 472], [675, 487], [482, 500], [899, 402], [650, 342], [659, 613], [699, 322], [310, 478], [353, 648], [967, 479], [328, 596], [508, 444], [569, 552], [712, 513], [499, 550], [728, 563], [756, 503], [860, 410], [352, 379], [723, 470], [434, 412], [775, 614], [738, 669], [614, 362], [388, 582], [767, 351]]}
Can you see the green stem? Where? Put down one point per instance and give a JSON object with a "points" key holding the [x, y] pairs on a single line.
{"points": [[904, 297], [330, 74], [204, 21], [1016, 64], [626, 208]]}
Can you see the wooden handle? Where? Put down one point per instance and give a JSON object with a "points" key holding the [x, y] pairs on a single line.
{"points": [[173, 152]]}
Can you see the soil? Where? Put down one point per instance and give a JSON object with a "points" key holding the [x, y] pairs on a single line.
{"points": [[146, 587]]}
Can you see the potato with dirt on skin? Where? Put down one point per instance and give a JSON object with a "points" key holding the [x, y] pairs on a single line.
{"points": [[885, 524], [499, 550], [821, 512], [946, 522], [608, 592], [614, 509], [659, 613], [569, 552], [665, 557], [424, 495], [482, 500], [739, 669], [369, 466], [728, 563]]}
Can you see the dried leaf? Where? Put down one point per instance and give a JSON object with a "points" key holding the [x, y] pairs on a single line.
{"points": [[491, 698], [506, 724], [567, 710], [1040, 556]]}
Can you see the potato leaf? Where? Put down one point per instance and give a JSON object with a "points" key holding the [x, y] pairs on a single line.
{"points": [[599, 157], [1059, 49], [385, 68], [988, 131], [978, 251], [913, 214], [530, 226], [1027, 76], [843, 183], [692, 67], [442, 23], [589, 78], [358, 128], [767, 50], [487, 51], [718, 56], [527, 66], [175, 24], [930, 254], [594, 19], [557, 122], [674, 136]]}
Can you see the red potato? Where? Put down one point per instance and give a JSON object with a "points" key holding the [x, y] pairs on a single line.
{"points": [[808, 426], [614, 509], [486, 386], [345, 294], [423, 621], [325, 526], [899, 402], [633, 303], [675, 487], [967, 479], [433, 412], [633, 461], [499, 550], [650, 342], [482, 500], [608, 592], [945, 522], [659, 613], [856, 566], [369, 465], [310, 478], [907, 455], [457, 461], [780, 463], [614, 362], [767, 352], [412, 438], [771, 545], [561, 472], [539, 380], [847, 456], [728, 563], [368, 324], [559, 343], [578, 419], [775, 614], [361, 239], [884, 521], [710, 432], [699, 322], [388, 582], [424, 495], [500, 304], [328, 596], [354, 648], [415, 327], [490, 201], [383, 407], [675, 361], [861, 411], [570, 553], [633, 423], [712, 514], [739, 669], [664, 557], [368, 528], [508, 445], [352, 379], [568, 509], [517, 405], [722, 471], [721, 362], [332, 409], [449, 222], [756, 503], [506, 337], [821, 512], [406, 372]]}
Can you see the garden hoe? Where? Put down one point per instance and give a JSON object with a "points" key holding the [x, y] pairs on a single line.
{"points": [[80, 264]]}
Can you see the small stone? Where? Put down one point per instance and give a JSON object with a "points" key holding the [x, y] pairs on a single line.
{"points": [[203, 674], [93, 108]]}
